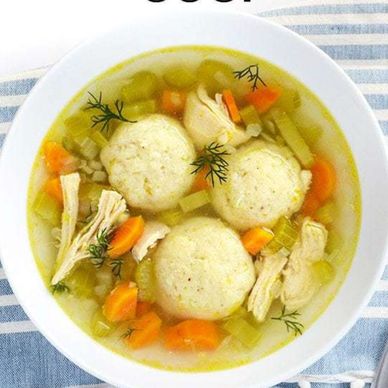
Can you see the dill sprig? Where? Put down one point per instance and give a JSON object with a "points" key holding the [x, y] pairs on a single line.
{"points": [[98, 250], [291, 321], [212, 158], [106, 114], [127, 333], [252, 73], [116, 266], [59, 288]]}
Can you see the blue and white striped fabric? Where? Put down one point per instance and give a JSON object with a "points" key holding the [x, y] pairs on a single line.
{"points": [[356, 36]]}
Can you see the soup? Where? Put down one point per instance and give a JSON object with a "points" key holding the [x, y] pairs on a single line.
{"points": [[194, 208]]}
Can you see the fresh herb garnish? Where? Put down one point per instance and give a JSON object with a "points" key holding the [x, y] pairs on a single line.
{"points": [[116, 266], [213, 158], [98, 251], [107, 114], [127, 333], [252, 73], [59, 288], [291, 321]]}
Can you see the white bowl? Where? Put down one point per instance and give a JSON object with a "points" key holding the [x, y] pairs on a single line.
{"points": [[237, 31]]}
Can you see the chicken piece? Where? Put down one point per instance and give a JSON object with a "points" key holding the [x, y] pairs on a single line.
{"points": [[70, 188], [267, 286], [207, 121], [110, 207], [299, 284], [153, 231]]}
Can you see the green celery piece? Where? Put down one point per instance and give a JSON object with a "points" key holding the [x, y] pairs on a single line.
{"points": [[250, 115], [82, 281], [240, 329], [99, 139], [194, 201], [47, 208], [171, 217], [87, 148], [141, 86], [327, 213], [285, 235], [294, 140], [179, 77], [140, 108], [311, 134], [289, 100], [78, 124], [215, 75], [145, 280], [100, 326]]}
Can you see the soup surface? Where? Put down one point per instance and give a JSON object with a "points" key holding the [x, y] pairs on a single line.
{"points": [[194, 208]]}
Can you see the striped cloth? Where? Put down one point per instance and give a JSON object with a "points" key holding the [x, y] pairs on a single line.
{"points": [[356, 36]]}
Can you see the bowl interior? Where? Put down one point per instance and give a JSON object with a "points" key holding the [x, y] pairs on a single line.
{"points": [[241, 32]]}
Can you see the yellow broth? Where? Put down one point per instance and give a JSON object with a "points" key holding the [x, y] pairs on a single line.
{"points": [[343, 232]]}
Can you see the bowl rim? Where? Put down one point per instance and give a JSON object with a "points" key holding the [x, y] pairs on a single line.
{"points": [[228, 377]]}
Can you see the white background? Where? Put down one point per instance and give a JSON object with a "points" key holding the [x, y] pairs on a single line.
{"points": [[36, 33]]}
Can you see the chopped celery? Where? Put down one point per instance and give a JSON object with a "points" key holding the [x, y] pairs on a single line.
{"points": [[82, 281], [285, 235], [87, 147], [334, 241], [78, 124], [141, 86], [326, 214], [194, 201], [250, 115], [243, 331], [179, 77], [323, 271], [100, 326], [145, 280], [311, 134], [216, 75], [47, 208], [269, 125], [289, 100], [171, 217], [99, 139], [140, 108], [291, 135]]}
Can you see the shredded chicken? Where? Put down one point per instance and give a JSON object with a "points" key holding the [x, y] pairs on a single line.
{"points": [[299, 284], [207, 120], [111, 206], [153, 231], [70, 187], [267, 286]]}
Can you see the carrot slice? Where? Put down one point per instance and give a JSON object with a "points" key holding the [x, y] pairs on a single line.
{"points": [[126, 236], [145, 331], [173, 102], [230, 103], [263, 98], [200, 181], [54, 189], [58, 160], [143, 308], [324, 179], [310, 205], [255, 239], [193, 334], [120, 304]]}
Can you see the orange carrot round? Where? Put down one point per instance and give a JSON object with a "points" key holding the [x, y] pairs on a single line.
{"points": [[193, 334], [145, 331], [324, 179], [58, 160], [173, 102], [310, 205], [263, 98], [120, 304], [230, 103], [126, 236], [200, 181], [254, 240], [54, 189]]}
